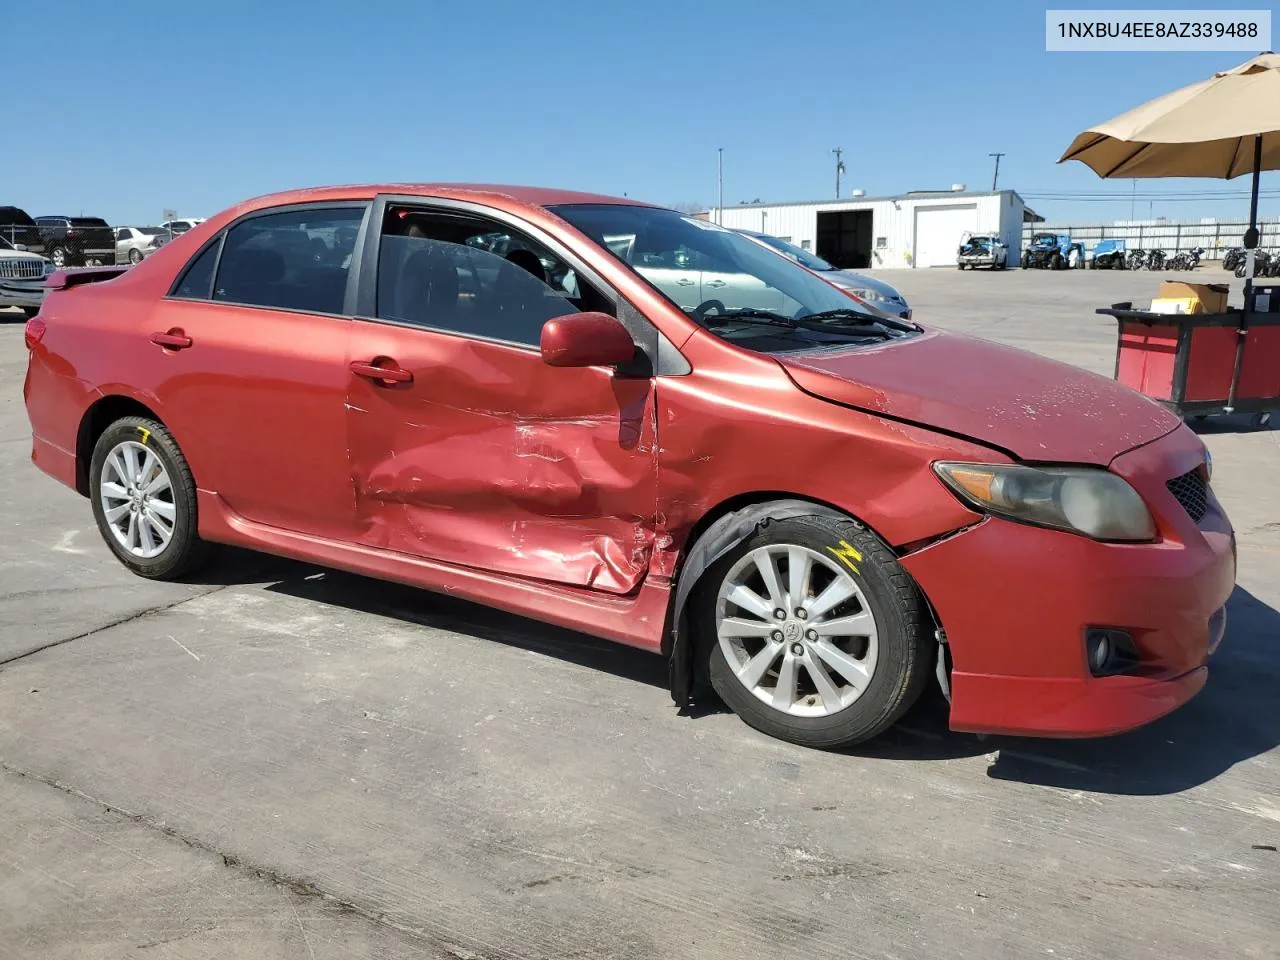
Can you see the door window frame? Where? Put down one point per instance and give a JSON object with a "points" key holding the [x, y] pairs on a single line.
{"points": [[349, 297], [647, 337]]}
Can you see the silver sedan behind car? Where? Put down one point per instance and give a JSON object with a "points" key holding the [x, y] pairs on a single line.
{"points": [[879, 294]]}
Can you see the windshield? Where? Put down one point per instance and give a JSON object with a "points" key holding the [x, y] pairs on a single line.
{"points": [[1048, 238], [798, 254], [726, 282]]}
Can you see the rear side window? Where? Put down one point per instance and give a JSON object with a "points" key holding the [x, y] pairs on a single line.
{"points": [[296, 260], [197, 282]]}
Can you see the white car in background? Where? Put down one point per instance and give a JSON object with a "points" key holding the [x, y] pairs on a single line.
{"points": [[877, 293], [22, 276], [133, 244], [177, 227]]}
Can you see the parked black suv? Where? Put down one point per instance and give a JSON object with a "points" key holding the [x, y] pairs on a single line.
{"points": [[76, 241], [18, 228]]}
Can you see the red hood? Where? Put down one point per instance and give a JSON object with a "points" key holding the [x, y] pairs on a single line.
{"points": [[1035, 408]]}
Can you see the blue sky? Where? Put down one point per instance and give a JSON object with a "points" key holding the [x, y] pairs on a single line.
{"points": [[195, 106]]}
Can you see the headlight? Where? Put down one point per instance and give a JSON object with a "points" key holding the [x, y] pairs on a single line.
{"points": [[871, 296], [1208, 465], [1085, 500]]}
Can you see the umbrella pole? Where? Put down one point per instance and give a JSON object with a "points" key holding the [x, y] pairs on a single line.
{"points": [[1251, 246]]}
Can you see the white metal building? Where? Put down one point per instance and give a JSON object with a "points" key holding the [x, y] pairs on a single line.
{"points": [[919, 229]]}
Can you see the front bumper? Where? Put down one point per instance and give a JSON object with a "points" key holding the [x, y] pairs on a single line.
{"points": [[1015, 601], [22, 293]]}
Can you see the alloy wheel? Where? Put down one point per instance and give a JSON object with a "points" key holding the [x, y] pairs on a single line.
{"points": [[796, 630], [137, 499]]}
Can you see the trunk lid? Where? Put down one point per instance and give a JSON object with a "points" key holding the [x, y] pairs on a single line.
{"points": [[1035, 408]]}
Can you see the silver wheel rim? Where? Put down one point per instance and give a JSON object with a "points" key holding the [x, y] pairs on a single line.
{"points": [[137, 499], [59, 258], [796, 630], [134, 256]]}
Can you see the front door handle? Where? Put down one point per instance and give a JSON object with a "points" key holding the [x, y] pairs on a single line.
{"points": [[382, 370], [715, 283], [684, 282], [172, 339]]}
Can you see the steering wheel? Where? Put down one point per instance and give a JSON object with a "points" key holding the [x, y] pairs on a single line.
{"points": [[700, 310]]}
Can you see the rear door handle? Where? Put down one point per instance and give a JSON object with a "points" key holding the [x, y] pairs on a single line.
{"points": [[715, 283], [684, 282], [173, 339], [375, 370]]}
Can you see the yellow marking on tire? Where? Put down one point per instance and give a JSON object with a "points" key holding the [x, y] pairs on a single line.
{"points": [[847, 554], [145, 434]]}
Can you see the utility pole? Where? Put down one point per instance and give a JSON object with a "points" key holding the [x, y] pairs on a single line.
{"points": [[995, 177], [839, 169], [720, 182], [1133, 197]]}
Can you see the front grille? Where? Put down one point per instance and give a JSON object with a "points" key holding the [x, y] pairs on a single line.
{"points": [[21, 268], [1192, 492]]}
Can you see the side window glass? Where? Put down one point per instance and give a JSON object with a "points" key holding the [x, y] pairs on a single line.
{"points": [[465, 275], [197, 281], [297, 260]]}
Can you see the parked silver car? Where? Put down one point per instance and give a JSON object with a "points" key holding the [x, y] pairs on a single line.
{"points": [[879, 294], [22, 276], [133, 244]]}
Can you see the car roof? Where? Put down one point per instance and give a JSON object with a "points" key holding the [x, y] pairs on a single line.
{"points": [[493, 194]]}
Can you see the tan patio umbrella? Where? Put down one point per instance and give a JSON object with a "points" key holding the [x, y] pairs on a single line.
{"points": [[1221, 127]]}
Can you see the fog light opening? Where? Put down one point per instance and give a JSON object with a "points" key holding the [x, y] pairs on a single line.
{"points": [[1109, 651]]}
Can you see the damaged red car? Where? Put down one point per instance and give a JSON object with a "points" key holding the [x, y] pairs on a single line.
{"points": [[620, 419]]}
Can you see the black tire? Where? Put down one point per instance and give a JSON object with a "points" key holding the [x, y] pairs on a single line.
{"points": [[906, 644], [58, 253], [30, 312], [185, 551], [1056, 262], [1026, 261], [959, 266]]}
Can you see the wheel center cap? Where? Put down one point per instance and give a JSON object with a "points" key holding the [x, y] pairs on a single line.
{"points": [[791, 630]]}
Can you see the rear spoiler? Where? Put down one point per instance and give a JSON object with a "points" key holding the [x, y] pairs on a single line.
{"points": [[64, 279]]}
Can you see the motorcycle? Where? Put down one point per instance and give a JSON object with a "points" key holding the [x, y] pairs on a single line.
{"points": [[1135, 260], [1231, 259], [1264, 265], [1155, 260]]}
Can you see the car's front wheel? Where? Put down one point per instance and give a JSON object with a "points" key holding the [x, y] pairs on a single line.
{"points": [[815, 633], [144, 500], [59, 257]]}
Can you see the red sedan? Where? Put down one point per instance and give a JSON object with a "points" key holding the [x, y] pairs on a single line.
{"points": [[624, 420]]}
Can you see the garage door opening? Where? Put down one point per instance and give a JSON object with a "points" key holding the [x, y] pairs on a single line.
{"points": [[939, 231], [844, 238]]}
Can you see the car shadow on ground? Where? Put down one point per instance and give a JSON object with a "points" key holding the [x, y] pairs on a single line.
{"points": [[1233, 719]]}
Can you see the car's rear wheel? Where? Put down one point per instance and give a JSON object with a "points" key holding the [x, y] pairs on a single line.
{"points": [[815, 633], [135, 255], [144, 500]]}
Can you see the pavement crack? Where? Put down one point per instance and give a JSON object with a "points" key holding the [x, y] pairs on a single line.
{"points": [[299, 886], [127, 618]]}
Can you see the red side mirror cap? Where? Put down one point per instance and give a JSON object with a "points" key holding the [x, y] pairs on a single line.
{"points": [[586, 340]]}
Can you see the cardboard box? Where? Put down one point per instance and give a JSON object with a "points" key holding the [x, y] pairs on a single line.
{"points": [[1206, 297]]}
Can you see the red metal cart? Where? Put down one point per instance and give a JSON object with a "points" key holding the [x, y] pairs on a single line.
{"points": [[1201, 364]]}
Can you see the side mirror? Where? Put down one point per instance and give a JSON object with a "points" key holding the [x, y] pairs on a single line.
{"points": [[585, 340]]}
